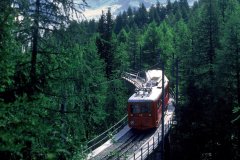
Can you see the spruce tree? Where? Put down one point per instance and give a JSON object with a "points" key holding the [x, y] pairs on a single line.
{"points": [[182, 47], [133, 48], [118, 24], [38, 17], [228, 67], [141, 16], [166, 52], [151, 46]]}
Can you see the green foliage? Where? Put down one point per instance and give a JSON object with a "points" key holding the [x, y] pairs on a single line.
{"points": [[121, 59], [141, 16], [208, 83], [77, 92], [8, 47], [182, 46], [25, 122], [228, 57], [166, 35], [104, 43], [151, 45], [133, 46], [122, 36]]}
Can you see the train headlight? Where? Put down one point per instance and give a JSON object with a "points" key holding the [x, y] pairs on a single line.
{"points": [[131, 123]]}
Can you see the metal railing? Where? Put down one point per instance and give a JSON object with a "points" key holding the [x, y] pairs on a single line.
{"points": [[151, 144], [106, 135], [133, 78]]}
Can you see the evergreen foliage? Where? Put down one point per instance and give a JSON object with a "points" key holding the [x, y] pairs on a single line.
{"points": [[151, 45], [60, 78], [104, 41]]}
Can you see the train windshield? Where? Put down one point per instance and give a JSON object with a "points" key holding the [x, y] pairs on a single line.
{"points": [[140, 108]]}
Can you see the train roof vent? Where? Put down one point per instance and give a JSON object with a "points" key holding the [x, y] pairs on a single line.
{"points": [[145, 91]]}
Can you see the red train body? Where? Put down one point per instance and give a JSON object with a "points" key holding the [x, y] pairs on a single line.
{"points": [[145, 105]]}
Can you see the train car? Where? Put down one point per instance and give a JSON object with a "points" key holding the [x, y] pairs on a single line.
{"points": [[145, 105]]}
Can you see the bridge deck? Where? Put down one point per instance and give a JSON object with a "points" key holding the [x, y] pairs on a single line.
{"points": [[155, 140], [107, 144], [134, 151]]}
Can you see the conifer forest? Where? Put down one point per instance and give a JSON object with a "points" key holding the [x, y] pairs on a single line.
{"points": [[60, 75]]}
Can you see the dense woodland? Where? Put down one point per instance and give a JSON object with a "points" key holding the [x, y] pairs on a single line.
{"points": [[60, 75]]}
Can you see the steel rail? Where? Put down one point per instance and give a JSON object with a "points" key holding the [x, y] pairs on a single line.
{"points": [[93, 144]]}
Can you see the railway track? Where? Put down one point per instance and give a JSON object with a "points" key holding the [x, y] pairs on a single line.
{"points": [[130, 144], [141, 139], [118, 144], [121, 149], [124, 146]]}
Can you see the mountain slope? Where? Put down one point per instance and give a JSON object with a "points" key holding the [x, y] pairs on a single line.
{"points": [[117, 6]]}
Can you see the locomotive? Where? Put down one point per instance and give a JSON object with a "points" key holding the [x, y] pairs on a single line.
{"points": [[145, 105]]}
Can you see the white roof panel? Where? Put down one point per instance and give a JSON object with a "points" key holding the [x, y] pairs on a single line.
{"points": [[154, 81]]}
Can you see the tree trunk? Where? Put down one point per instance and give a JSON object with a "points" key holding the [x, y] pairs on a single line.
{"points": [[238, 77], [238, 86], [33, 77], [211, 49]]}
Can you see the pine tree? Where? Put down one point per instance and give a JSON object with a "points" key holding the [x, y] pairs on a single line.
{"points": [[99, 40], [153, 15], [166, 44], [133, 48], [222, 7], [141, 16], [228, 67], [228, 74], [118, 24], [162, 11], [8, 48], [104, 41], [169, 7], [184, 6], [39, 17], [150, 54], [125, 19], [207, 42], [182, 47], [122, 36], [92, 26], [130, 14]]}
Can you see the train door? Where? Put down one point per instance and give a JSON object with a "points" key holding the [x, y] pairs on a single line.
{"points": [[147, 115]]}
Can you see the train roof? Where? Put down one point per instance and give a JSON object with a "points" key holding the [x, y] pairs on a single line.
{"points": [[150, 90]]}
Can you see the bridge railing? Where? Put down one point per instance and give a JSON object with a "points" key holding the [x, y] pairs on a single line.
{"points": [[151, 144], [103, 137], [133, 78], [172, 94]]}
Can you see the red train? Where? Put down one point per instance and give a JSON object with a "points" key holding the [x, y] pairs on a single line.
{"points": [[145, 105]]}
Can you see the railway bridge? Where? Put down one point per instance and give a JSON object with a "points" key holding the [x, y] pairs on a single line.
{"points": [[122, 142]]}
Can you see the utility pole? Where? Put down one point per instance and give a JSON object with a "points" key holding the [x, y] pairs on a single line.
{"points": [[172, 74], [176, 82], [140, 58], [63, 109], [163, 107]]}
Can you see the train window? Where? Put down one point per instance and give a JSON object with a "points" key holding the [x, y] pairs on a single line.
{"points": [[135, 109], [141, 108], [146, 108]]}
